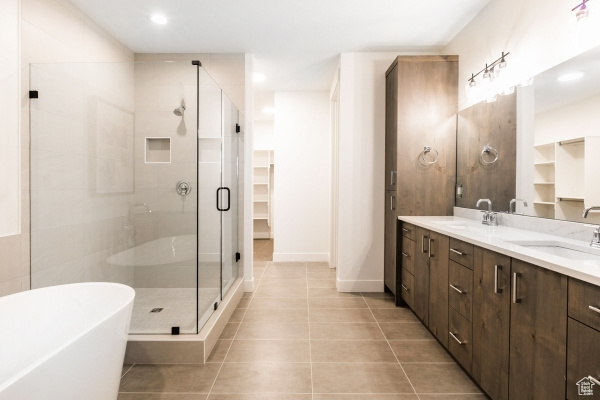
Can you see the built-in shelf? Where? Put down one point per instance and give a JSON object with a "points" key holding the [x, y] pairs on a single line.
{"points": [[544, 163], [543, 183], [263, 172], [544, 203]]}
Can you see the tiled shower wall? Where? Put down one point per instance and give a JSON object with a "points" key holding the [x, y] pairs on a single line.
{"points": [[50, 31]]}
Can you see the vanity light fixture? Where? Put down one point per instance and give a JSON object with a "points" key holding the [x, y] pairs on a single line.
{"points": [[490, 84], [158, 19], [582, 10]]}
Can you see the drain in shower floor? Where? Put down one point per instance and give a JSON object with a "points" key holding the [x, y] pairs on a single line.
{"points": [[157, 309]]}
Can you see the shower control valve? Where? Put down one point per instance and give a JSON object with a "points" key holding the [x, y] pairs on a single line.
{"points": [[183, 188]]}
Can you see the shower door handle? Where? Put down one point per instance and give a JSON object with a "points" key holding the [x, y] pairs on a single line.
{"points": [[228, 199]]}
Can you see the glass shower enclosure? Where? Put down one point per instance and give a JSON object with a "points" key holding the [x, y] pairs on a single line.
{"points": [[135, 179]]}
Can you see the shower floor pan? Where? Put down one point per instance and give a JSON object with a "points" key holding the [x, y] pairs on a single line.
{"points": [[156, 310]]}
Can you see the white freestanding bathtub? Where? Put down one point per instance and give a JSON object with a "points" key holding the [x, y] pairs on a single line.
{"points": [[64, 342]]}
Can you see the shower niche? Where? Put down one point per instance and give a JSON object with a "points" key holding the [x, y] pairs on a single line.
{"points": [[176, 246]]}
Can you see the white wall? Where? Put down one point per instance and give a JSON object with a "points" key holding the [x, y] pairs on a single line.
{"points": [[361, 169], [537, 33], [9, 115], [302, 176], [264, 135], [572, 121]]}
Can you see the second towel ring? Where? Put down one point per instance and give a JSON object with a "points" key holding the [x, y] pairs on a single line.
{"points": [[426, 150], [489, 150]]}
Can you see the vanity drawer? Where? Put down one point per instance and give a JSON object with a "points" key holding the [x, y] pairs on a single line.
{"points": [[408, 283], [408, 230], [584, 302], [460, 291], [460, 341], [407, 254], [461, 252]]}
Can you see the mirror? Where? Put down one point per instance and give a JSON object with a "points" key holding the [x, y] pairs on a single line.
{"points": [[555, 145]]}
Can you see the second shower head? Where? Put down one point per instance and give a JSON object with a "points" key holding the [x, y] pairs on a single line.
{"points": [[179, 111]]}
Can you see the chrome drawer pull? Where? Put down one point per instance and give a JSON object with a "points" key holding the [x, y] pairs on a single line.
{"points": [[457, 252], [595, 309], [405, 255], [406, 230], [457, 339], [496, 268], [515, 298], [596, 381], [405, 288], [457, 289]]}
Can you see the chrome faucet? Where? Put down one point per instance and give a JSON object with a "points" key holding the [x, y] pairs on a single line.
{"points": [[511, 205], [489, 217], [596, 238]]}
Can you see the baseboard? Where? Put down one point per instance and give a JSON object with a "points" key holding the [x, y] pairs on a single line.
{"points": [[360, 286], [301, 257], [249, 285]]}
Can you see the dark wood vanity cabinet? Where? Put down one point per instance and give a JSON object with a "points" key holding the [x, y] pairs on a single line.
{"points": [[583, 343], [491, 321], [538, 333], [430, 277], [420, 110]]}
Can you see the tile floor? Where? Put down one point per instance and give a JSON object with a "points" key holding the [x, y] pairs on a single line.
{"points": [[297, 338], [263, 249]]}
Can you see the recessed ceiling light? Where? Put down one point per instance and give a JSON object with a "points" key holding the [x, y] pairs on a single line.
{"points": [[158, 19], [256, 77], [268, 110], [571, 76]]}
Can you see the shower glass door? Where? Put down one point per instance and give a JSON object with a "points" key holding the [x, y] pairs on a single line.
{"points": [[131, 164]]}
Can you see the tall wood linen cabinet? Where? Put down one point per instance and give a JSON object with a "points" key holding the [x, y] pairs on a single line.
{"points": [[420, 148]]}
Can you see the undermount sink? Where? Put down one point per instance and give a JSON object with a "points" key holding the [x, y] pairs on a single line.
{"points": [[561, 249], [458, 225]]}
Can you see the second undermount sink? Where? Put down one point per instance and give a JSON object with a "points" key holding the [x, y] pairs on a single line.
{"points": [[459, 225], [561, 249]]}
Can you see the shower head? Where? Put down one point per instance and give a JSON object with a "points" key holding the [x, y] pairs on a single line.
{"points": [[179, 111]]}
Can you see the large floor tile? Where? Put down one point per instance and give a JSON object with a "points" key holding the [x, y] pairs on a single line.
{"points": [[321, 274], [404, 330], [176, 378], [287, 264], [276, 315], [329, 292], [335, 302], [284, 273], [280, 292], [345, 331], [446, 396], [264, 378], [340, 315], [261, 396], [220, 350], [394, 315], [359, 378], [281, 282], [419, 351], [367, 396], [273, 330], [448, 378], [126, 368], [237, 315], [380, 302], [230, 330], [321, 283], [161, 396], [267, 351], [279, 302], [358, 351]]}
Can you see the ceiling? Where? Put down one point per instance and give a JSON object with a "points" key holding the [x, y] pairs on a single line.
{"points": [[295, 43]]}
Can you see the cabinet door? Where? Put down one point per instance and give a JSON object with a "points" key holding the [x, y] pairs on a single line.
{"points": [[583, 361], [491, 321], [438, 287], [391, 221], [538, 333], [391, 128], [427, 106], [421, 275]]}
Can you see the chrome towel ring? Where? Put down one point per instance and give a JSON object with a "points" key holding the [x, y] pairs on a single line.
{"points": [[426, 150], [489, 150]]}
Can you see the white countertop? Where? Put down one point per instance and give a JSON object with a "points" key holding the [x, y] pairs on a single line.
{"points": [[498, 238]]}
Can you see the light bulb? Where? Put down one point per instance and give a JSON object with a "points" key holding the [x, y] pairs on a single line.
{"points": [[158, 19]]}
